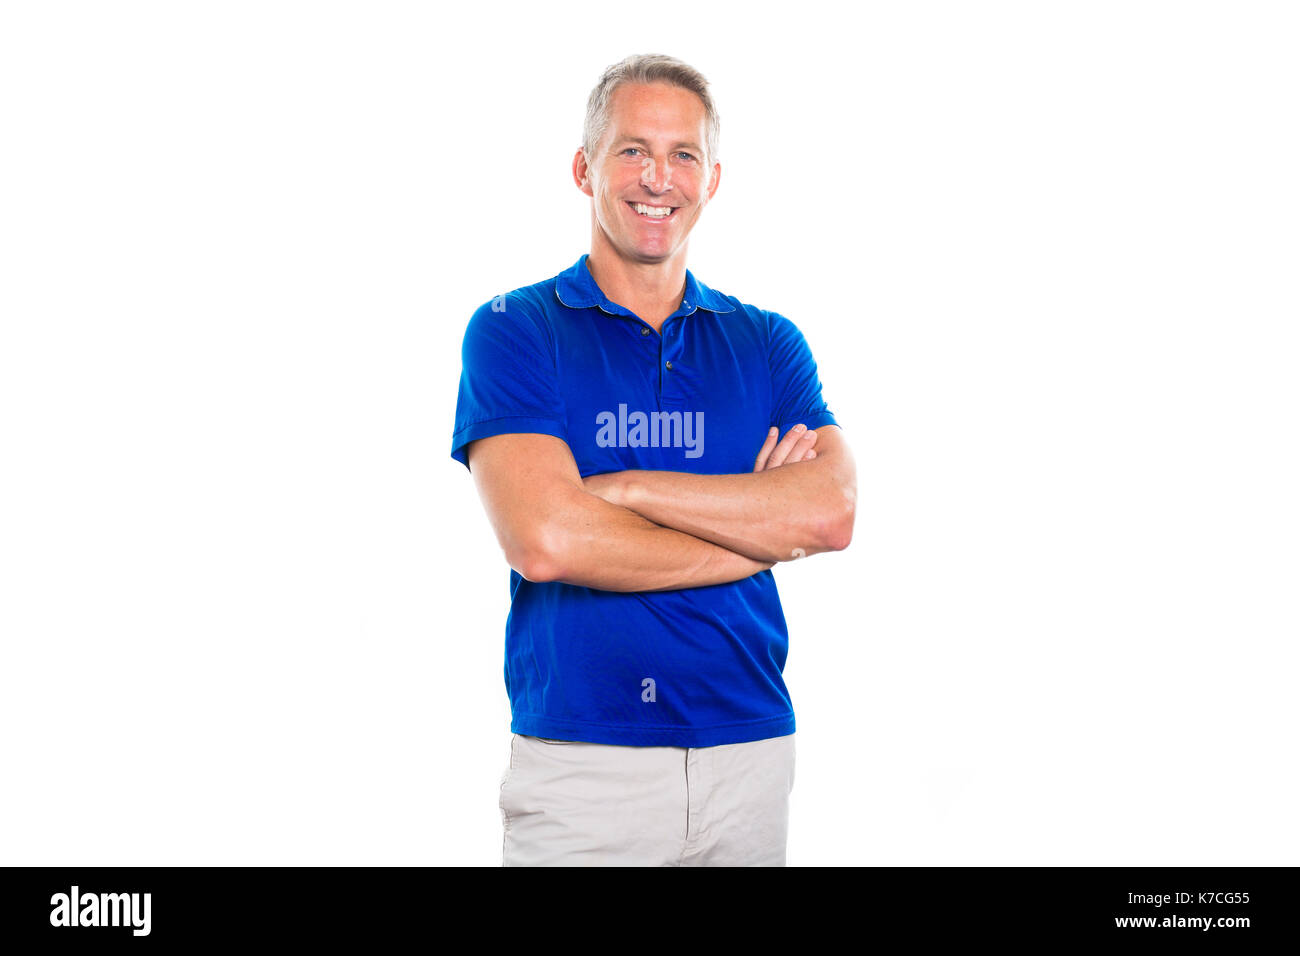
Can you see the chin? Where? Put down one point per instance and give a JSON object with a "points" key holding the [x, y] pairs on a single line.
{"points": [[654, 253]]}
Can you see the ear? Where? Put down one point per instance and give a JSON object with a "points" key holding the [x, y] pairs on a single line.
{"points": [[582, 172], [714, 177]]}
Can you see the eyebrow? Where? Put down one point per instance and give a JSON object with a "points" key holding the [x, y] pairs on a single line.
{"points": [[646, 142]]}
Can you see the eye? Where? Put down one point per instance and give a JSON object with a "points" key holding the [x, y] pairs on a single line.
{"points": [[631, 149], [688, 156]]}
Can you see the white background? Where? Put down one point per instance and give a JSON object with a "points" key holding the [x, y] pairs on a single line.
{"points": [[1044, 253]]}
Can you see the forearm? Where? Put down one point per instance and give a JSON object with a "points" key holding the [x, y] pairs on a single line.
{"points": [[799, 509], [593, 543]]}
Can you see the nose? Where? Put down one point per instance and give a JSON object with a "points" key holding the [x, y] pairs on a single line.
{"points": [[656, 176]]}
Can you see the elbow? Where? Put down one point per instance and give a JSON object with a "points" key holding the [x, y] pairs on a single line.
{"points": [[538, 556], [837, 529], [839, 536], [534, 567]]}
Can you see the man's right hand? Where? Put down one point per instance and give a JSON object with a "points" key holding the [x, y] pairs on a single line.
{"points": [[797, 445]]}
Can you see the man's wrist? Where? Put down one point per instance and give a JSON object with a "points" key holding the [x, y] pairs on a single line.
{"points": [[629, 489], [611, 486]]}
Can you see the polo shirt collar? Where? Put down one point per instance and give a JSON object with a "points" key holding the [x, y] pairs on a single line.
{"points": [[576, 288]]}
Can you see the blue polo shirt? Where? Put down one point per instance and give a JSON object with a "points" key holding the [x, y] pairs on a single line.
{"points": [[695, 667]]}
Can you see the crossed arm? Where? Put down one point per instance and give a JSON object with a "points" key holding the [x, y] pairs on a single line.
{"points": [[801, 505], [653, 530]]}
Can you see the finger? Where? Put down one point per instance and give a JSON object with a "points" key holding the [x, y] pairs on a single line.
{"points": [[783, 449], [761, 461], [799, 454], [785, 446], [803, 448]]}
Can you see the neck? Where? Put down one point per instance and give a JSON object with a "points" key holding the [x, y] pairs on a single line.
{"points": [[652, 291]]}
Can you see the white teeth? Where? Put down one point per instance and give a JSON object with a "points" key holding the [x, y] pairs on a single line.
{"points": [[657, 212]]}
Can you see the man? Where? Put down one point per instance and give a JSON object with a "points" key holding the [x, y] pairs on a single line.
{"points": [[647, 449]]}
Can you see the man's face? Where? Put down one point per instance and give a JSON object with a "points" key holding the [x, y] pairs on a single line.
{"points": [[652, 155]]}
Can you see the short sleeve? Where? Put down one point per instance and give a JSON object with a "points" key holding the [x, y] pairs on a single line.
{"points": [[796, 389], [508, 380]]}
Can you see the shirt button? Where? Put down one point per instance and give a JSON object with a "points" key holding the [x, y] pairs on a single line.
{"points": [[644, 330], [668, 365]]}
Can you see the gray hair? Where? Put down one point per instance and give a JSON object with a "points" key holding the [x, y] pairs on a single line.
{"points": [[647, 68]]}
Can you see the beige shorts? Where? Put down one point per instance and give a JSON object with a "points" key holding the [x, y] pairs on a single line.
{"points": [[567, 803]]}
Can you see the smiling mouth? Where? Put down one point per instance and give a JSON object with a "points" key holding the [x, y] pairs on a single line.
{"points": [[653, 213]]}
